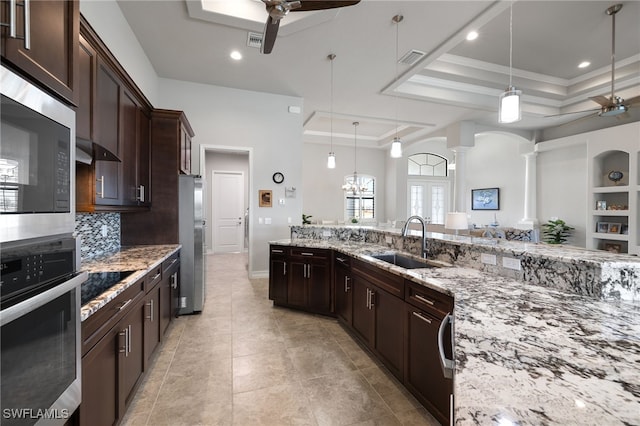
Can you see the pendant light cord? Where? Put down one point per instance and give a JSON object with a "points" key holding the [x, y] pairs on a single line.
{"points": [[331, 58], [510, 44], [397, 19]]}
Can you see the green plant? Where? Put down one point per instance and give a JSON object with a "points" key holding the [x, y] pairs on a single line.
{"points": [[354, 220], [556, 231], [306, 219]]}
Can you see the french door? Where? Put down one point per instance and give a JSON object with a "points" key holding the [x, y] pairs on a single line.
{"points": [[429, 199]]}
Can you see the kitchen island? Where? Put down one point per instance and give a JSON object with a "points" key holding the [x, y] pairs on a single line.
{"points": [[528, 354]]}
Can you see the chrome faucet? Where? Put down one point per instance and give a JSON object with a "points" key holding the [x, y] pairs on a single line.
{"points": [[405, 229]]}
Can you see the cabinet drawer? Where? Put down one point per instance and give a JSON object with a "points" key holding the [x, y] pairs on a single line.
{"points": [[432, 301], [342, 260], [307, 253], [278, 251], [392, 283], [170, 265], [98, 324], [152, 278]]}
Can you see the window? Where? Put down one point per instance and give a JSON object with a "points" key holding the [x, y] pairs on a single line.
{"points": [[362, 205], [426, 164]]}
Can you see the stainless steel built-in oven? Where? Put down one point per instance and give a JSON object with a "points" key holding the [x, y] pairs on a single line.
{"points": [[40, 356], [37, 162]]}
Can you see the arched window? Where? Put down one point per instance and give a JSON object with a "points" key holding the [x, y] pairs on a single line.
{"points": [[426, 164], [360, 204]]}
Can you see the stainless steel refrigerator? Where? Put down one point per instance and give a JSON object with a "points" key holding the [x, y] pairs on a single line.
{"points": [[192, 232]]}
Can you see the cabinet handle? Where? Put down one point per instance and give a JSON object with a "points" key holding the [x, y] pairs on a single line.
{"points": [[422, 299], [129, 340], [122, 335], [285, 269], [141, 193], [423, 318], [308, 270], [150, 305], [276, 251], [451, 410], [306, 254], [101, 193], [447, 364], [124, 304], [155, 277], [372, 297], [174, 280], [27, 24], [368, 299], [12, 19], [341, 260], [346, 284]]}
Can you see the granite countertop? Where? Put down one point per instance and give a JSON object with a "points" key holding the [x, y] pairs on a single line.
{"points": [[527, 354], [135, 259]]}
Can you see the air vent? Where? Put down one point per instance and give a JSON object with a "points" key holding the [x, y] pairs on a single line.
{"points": [[411, 57], [254, 40]]}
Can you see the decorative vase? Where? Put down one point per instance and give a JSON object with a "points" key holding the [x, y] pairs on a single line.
{"points": [[615, 176]]}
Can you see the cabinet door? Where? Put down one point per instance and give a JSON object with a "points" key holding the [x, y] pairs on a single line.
{"points": [[389, 330], [297, 287], [107, 114], [151, 323], [86, 90], [100, 381], [107, 183], [165, 303], [185, 151], [129, 147], [363, 314], [278, 279], [423, 374], [144, 159], [52, 58], [319, 286], [132, 325], [344, 294]]}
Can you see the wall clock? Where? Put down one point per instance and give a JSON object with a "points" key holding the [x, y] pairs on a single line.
{"points": [[278, 177]]}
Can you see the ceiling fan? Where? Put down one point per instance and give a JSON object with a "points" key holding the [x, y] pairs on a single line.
{"points": [[613, 106], [278, 9]]}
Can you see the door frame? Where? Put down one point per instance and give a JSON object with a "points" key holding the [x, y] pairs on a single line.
{"points": [[430, 180], [213, 227], [226, 149]]}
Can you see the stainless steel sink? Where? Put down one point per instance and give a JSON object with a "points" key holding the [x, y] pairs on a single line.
{"points": [[403, 261]]}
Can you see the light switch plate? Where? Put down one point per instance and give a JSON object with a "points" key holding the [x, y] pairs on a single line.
{"points": [[489, 259], [267, 221], [511, 263], [326, 233]]}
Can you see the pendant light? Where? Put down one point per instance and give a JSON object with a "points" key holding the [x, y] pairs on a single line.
{"points": [[509, 107], [396, 145], [355, 186], [331, 160]]}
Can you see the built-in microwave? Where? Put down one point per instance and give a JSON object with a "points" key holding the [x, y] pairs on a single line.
{"points": [[37, 162]]}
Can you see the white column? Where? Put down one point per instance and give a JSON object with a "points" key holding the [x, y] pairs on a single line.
{"points": [[529, 221], [459, 195]]}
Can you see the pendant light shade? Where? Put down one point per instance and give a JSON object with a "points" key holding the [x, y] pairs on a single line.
{"points": [[331, 159], [396, 148], [509, 110]]}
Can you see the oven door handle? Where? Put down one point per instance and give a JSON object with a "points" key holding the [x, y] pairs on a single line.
{"points": [[16, 311]]}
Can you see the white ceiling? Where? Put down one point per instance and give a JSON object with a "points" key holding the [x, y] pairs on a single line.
{"points": [[455, 79]]}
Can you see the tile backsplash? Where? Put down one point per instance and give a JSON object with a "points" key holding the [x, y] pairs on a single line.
{"points": [[99, 233]]}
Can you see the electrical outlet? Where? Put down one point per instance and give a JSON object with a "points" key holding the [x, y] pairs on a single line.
{"points": [[267, 221], [489, 259], [326, 233], [511, 263], [104, 230]]}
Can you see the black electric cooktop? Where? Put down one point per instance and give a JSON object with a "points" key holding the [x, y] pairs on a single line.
{"points": [[99, 282]]}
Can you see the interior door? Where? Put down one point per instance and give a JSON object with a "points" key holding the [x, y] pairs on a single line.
{"points": [[228, 211], [429, 199]]}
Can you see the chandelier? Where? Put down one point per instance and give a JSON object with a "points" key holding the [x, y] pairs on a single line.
{"points": [[353, 184]]}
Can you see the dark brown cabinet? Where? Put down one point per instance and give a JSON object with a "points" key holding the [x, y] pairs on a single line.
{"points": [[343, 288], [424, 376], [52, 57], [131, 350], [309, 284], [169, 291], [152, 334], [87, 63], [185, 150], [278, 274]]}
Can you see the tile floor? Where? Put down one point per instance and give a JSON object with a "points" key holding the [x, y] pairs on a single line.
{"points": [[244, 362]]}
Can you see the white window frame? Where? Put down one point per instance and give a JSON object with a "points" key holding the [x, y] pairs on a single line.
{"points": [[348, 195]]}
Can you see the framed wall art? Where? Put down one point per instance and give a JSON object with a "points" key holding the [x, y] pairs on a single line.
{"points": [[264, 198], [485, 199]]}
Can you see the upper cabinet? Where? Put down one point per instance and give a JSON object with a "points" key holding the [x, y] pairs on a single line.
{"points": [[113, 124], [45, 46]]}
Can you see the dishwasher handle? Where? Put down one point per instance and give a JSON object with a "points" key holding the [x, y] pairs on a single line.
{"points": [[446, 364]]}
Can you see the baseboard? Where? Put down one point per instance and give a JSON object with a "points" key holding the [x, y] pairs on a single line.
{"points": [[259, 274]]}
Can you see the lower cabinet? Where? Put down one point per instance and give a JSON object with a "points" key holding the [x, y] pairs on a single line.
{"points": [[278, 274], [343, 288], [169, 292], [152, 333]]}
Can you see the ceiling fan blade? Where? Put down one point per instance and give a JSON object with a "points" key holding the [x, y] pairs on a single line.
{"points": [[574, 112], [269, 36], [632, 101], [602, 100], [320, 5], [579, 119]]}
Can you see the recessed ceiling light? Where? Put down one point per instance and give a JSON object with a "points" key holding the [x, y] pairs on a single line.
{"points": [[236, 55], [472, 35], [584, 64]]}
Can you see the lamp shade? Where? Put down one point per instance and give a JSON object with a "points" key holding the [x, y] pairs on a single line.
{"points": [[331, 161], [509, 108], [396, 148], [456, 220]]}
